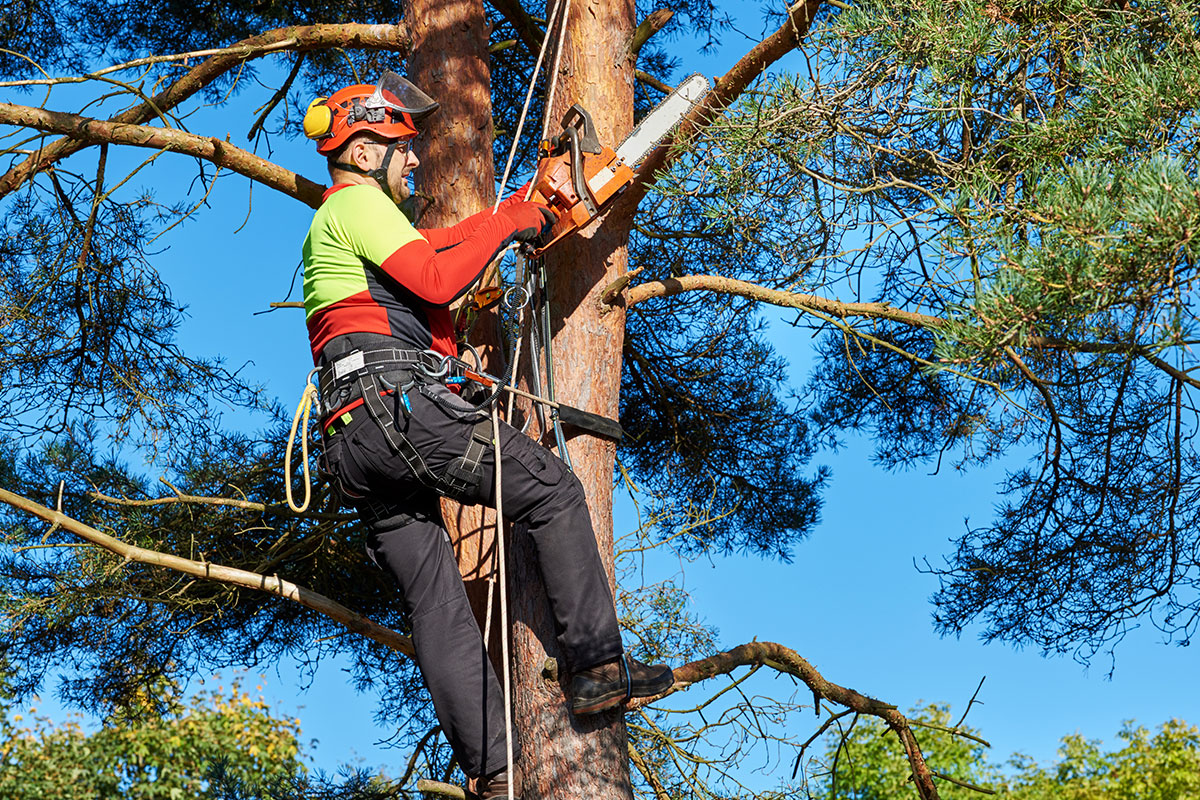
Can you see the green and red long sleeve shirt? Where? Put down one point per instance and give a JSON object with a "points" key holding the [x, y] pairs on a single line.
{"points": [[368, 270]]}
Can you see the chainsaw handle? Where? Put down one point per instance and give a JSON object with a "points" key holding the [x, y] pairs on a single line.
{"points": [[578, 119], [577, 178]]}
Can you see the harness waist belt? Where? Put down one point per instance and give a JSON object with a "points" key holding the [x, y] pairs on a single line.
{"points": [[339, 381], [357, 363]]}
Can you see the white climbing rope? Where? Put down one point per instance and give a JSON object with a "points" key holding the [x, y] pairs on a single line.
{"points": [[501, 571], [562, 35], [537, 68]]}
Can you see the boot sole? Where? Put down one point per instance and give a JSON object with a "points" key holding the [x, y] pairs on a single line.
{"points": [[602, 703]]}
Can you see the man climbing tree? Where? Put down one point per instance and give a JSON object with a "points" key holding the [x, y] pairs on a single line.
{"points": [[983, 213], [376, 292]]}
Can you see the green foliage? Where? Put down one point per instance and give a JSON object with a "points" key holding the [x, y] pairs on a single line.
{"points": [[1013, 188], [863, 759], [163, 749], [1163, 765], [861, 762]]}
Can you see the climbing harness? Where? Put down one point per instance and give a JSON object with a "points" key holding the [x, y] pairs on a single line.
{"points": [[379, 376]]}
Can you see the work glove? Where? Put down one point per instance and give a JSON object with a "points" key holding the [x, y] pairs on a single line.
{"points": [[532, 221], [518, 196]]}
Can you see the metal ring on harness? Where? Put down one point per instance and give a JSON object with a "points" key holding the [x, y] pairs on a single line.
{"points": [[475, 355], [443, 368], [513, 305]]}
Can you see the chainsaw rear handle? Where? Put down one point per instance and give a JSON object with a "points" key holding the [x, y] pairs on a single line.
{"points": [[577, 178], [578, 137], [578, 125]]}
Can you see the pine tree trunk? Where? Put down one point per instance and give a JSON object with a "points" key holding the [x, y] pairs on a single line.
{"points": [[568, 757], [564, 757], [449, 61]]}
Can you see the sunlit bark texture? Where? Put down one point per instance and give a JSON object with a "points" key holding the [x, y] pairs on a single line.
{"points": [[580, 757]]}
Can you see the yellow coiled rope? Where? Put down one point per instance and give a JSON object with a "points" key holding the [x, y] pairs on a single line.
{"points": [[304, 410]]}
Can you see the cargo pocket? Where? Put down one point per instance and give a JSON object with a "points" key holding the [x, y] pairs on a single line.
{"points": [[542, 465]]}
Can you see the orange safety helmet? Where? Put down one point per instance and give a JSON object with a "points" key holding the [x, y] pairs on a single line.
{"points": [[390, 110]]}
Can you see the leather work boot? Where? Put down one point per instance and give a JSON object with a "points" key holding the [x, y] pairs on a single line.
{"points": [[609, 684], [494, 787]]}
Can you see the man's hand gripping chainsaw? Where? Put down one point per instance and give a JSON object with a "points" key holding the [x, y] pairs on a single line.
{"points": [[578, 177]]}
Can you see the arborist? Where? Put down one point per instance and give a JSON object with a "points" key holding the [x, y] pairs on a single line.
{"points": [[376, 297]]}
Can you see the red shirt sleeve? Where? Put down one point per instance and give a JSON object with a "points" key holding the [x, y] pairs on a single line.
{"points": [[441, 238], [438, 276]]}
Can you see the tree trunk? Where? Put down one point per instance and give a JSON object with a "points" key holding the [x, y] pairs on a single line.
{"points": [[568, 757], [449, 61], [564, 757]]}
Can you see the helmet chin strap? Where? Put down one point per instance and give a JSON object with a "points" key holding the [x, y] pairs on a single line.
{"points": [[379, 174]]}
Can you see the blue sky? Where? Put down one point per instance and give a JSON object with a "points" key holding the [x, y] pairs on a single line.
{"points": [[852, 602]]}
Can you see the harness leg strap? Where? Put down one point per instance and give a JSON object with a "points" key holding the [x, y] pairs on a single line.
{"points": [[369, 388], [464, 476]]}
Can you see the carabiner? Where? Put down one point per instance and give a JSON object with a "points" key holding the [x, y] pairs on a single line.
{"points": [[316, 401], [443, 367]]}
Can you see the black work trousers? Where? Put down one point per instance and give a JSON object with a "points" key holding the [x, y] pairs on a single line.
{"points": [[406, 537]]}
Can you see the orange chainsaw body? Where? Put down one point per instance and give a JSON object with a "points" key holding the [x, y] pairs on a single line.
{"points": [[576, 177]]}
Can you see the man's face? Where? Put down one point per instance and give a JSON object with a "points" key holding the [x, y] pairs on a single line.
{"points": [[404, 161]]}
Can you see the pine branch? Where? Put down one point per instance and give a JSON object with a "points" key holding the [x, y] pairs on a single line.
{"points": [[788, 661], [527, 28], [352, 621], [654, 22], [619, 292], [728, 88], [83, 131], [298, 38], [716, 283]]}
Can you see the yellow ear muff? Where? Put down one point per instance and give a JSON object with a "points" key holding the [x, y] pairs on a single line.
{"points": [[318, 119]]}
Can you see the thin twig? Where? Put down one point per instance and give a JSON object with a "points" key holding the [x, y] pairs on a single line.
{"points": [[277, 97]]}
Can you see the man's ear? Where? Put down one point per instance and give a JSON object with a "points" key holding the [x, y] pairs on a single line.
{"points": [[359, 154]]}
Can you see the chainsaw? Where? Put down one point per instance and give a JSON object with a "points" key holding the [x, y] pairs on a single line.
{"points": [[578, 177]]}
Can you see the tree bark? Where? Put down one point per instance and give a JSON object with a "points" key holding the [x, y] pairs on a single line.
{"points": [[449, 62], [570, 757]]}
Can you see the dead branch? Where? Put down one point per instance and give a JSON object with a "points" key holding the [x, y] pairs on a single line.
{"points": [[298, 38], [190, 499], [352, 621], [85, 130], [279, 96], [790, 662]]}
